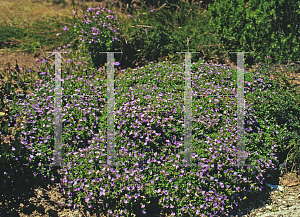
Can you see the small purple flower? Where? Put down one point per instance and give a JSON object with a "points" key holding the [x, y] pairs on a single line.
{"points": [[66, 28], [58, 34]]}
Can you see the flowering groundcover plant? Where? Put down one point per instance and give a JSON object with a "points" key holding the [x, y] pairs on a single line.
{"points": [[149, 118]]}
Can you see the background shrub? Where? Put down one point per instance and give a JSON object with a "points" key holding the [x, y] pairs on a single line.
{"points": [[258, 26], [156, 34], [10, 131], [159, 33], [97, 33]]}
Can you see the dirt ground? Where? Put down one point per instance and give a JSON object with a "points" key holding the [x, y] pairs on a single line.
{"points": [[24, 59]]}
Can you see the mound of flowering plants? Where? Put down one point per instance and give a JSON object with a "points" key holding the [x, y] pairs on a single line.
{"points": [[149, 141]]}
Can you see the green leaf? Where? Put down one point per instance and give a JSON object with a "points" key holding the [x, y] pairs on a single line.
{"points": [[5, 123], [7, 88], [12, 131], [17, 67]]}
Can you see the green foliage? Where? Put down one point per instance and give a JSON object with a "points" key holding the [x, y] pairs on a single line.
{"points": [[159, 33], [56, 2], [252, 25], [153, 35], [9, 35], [173, 3], [38, 35], [98, 34], [283, 106], [10, 136]]}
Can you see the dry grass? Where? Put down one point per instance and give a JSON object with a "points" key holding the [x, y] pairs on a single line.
{"points": [[29, 11]]}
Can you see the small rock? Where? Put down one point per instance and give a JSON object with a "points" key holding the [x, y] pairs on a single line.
{"points": [[269, 207], [275, 187], [280, 188]]}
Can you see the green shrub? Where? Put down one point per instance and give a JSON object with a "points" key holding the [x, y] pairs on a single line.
{"points": [[9, 138], [98, 34], [253, 24], [159, 33], [151, 36]]}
